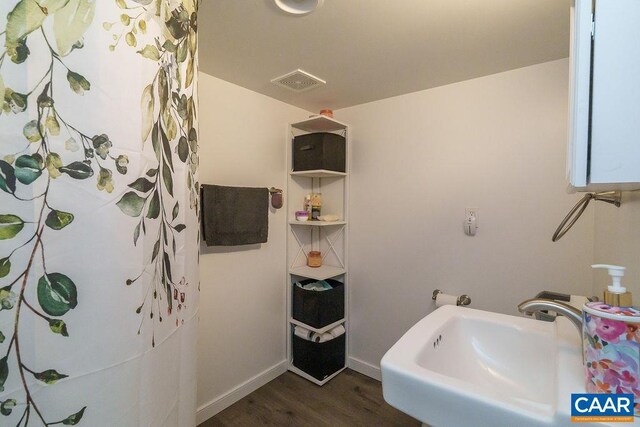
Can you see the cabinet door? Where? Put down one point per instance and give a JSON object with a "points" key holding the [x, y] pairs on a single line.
{"points": [[615, 114], [579, 94]]}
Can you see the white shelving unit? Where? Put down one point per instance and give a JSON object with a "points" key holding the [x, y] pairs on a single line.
{"points": [[330, 238], [317, 223], [320, 273], [318, 173]]}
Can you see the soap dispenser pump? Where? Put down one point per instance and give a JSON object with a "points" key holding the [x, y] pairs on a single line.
{"points": [[615, 295]]}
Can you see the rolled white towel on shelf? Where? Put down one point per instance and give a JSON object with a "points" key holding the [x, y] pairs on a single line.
{"points": [[318, 338], [329, 335], [337, 331], [303, 333], [308, 335]]}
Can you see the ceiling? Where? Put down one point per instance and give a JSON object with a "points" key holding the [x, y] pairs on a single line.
{"points": [[368, 50]]}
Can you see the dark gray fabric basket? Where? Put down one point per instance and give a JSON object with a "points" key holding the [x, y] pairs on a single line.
{"points": [[318, 308]]}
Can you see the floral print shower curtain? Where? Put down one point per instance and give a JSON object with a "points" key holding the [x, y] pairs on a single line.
{"points": [[99, 235]]}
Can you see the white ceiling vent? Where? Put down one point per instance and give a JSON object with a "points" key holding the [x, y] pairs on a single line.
{"points": [[298, 81]]}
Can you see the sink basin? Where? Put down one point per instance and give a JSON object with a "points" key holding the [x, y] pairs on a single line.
{"points": [[460, 366]]}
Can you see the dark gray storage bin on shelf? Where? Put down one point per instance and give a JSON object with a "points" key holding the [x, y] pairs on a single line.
{"points": [[318, 308], [320, 360], [320, 150]]}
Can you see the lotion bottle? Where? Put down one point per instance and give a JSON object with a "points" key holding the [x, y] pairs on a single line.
{"points": [[615, 294], [611, 340]]}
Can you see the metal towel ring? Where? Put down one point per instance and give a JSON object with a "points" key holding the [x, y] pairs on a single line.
{"points": [[612, 197]]}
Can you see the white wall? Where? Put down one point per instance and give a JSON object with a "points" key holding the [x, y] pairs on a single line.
{"points": [[617, 241], [496, 143], [242, 315]]}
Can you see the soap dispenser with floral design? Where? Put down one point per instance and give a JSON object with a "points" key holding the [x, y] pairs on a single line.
{"points": [[611, 338]]}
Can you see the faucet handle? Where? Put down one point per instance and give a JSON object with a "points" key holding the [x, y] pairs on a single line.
{"points": [[537, 304]]}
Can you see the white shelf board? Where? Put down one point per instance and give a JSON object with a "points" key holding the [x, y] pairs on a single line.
{"points": [[314, 380], [318, 273], [319, 124], [312, 329], [318, 223], [318, 173]]}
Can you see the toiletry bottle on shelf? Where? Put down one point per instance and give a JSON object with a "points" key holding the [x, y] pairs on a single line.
{"points": [[316, 206], [307, 205], [611, 340]]}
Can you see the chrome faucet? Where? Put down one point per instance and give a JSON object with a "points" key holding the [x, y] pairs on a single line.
{"points": [[531, 306]]}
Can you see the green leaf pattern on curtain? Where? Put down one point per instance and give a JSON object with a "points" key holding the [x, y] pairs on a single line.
{"points": [[41, 160], [168, 124]]}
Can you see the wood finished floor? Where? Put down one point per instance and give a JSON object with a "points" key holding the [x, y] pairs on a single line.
{"points": [[350, 399]]}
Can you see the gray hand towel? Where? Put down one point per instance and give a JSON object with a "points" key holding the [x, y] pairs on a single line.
{"points": [[234, 215]]}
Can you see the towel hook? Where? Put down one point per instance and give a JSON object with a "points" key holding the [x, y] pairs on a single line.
{"points": [[276, 197]]}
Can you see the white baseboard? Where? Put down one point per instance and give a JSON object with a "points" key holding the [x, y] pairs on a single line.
{"points": [[365, 368], [227, 399]]}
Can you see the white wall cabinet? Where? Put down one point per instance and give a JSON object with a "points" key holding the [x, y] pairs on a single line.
{"points": [[330, 238], [604, 122]]}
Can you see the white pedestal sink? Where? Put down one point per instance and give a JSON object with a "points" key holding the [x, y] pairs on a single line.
{"points": [[465, 367]]}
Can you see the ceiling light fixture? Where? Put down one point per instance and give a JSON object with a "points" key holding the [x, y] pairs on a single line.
{"points": [[299, 7]]}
